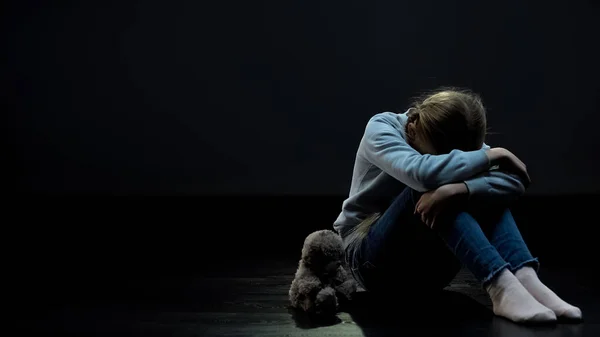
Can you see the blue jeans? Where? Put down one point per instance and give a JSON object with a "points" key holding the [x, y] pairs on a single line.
{"points": [[399, 248]]}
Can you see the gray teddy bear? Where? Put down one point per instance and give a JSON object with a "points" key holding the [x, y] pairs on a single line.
{"points": [[321, 282]]}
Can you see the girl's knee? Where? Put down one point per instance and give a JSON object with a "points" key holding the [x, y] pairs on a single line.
{"points": [[461, 216]]}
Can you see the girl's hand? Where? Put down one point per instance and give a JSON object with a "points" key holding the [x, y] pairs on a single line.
{"points": [[508, 162], [432, 203]]}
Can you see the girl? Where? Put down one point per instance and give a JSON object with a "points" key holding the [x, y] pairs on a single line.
{"points": [[428, 195]]}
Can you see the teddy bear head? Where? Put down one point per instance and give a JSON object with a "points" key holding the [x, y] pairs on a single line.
{"points": [[323, 252]]}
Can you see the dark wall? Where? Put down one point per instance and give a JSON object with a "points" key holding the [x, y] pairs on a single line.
{"points": [[271, 97]]}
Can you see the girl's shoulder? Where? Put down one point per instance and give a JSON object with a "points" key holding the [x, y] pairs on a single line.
{"points": [[398, 120]]}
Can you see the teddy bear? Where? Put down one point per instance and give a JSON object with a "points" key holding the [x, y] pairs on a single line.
{"points": [[321, 282]]}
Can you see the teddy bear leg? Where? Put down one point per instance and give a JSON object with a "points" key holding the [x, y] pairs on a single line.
{"points": [[326, 302], [345, 291]]}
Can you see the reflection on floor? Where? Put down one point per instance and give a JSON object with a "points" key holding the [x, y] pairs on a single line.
{"points": [[250, 299]]}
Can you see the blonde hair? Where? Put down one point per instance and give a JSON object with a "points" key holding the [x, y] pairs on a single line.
{"points": [[449, 119]]}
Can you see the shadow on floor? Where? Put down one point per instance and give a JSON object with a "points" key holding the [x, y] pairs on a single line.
{"points": [[447, 313], [503, 328], [445, 307], [303, 320], [378, 314]]}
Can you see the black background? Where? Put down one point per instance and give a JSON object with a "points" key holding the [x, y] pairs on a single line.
{"points": [[263, 104], [271, 97]]}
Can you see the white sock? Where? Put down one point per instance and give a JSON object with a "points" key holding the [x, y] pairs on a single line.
{"points": [[512, 301], [529, 279]]}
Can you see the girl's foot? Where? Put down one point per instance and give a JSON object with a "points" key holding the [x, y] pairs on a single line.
{"points": [[529, 279], [512, 301]]}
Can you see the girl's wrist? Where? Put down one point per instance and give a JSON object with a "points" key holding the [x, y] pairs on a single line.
{"points": [[495, 155], [460, 189], [456, 189]]}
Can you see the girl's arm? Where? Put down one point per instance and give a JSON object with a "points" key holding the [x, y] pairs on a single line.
{"points": [[495, 184], [384, 146]]}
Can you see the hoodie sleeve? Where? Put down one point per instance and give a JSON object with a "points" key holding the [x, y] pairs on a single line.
{"points": [[385, 147], [495, 184]]}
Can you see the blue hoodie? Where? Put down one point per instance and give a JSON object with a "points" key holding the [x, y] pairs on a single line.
{"points": [[385, 164]]}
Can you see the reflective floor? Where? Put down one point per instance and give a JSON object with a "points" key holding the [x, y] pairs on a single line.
{"points": [[250, 299]]}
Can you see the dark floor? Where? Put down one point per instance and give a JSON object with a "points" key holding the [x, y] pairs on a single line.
{"points": [[170, 267], [250, 299]]}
